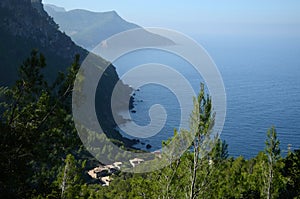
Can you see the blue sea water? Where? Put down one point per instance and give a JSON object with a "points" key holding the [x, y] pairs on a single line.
{"points": [[262, 81]]}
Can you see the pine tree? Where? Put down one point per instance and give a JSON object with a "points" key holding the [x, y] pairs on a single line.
{"points": [[202, 121], [36, 127], [273, 152]]}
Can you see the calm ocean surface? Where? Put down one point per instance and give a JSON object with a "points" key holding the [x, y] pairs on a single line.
{"points": [[262, 82]]}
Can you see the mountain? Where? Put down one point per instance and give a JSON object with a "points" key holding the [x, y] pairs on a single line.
{"points": [[48, 7], [24, 25], [88, 29]]}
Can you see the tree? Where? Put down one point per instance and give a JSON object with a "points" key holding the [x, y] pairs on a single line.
{"points": [[291, 172], [37, 128], [189, 176], [70, 179], [22, 109], [219, 151], [202, 121], [273, 152]]}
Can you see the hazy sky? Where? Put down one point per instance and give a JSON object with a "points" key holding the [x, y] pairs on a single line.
{"points": [[254, 17]]}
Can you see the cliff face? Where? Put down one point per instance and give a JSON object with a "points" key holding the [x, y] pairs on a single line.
{"points": [[28, 20], [24, 26]]}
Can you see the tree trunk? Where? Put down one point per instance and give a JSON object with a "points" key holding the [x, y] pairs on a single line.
{"points": [[194, 172], [63, 183], [269, 190]]}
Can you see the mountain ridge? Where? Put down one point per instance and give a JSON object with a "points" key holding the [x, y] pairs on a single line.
{"points": [[89, 28]]}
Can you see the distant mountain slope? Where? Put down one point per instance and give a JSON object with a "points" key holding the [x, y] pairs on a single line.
{"points": [[88, 28], [55, 8]]}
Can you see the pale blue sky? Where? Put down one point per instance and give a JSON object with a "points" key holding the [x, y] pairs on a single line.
{"points": [[254, 17]]}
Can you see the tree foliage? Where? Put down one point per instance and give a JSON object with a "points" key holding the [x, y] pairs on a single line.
{"points": [[36, 127], [42, 156]]}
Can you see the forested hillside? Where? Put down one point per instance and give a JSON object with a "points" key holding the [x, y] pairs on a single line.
{"points": [[41, 155]]}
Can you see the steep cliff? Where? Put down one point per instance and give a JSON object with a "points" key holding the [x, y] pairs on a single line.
{"points": [[24, 25]]}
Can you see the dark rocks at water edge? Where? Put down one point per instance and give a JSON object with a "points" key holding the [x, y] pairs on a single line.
{"points": [[131, 101]]}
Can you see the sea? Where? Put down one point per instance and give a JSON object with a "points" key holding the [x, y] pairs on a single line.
{"points": [[261, 76]]}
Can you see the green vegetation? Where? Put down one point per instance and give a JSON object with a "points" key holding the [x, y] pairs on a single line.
{"points": [[42, 156]]}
